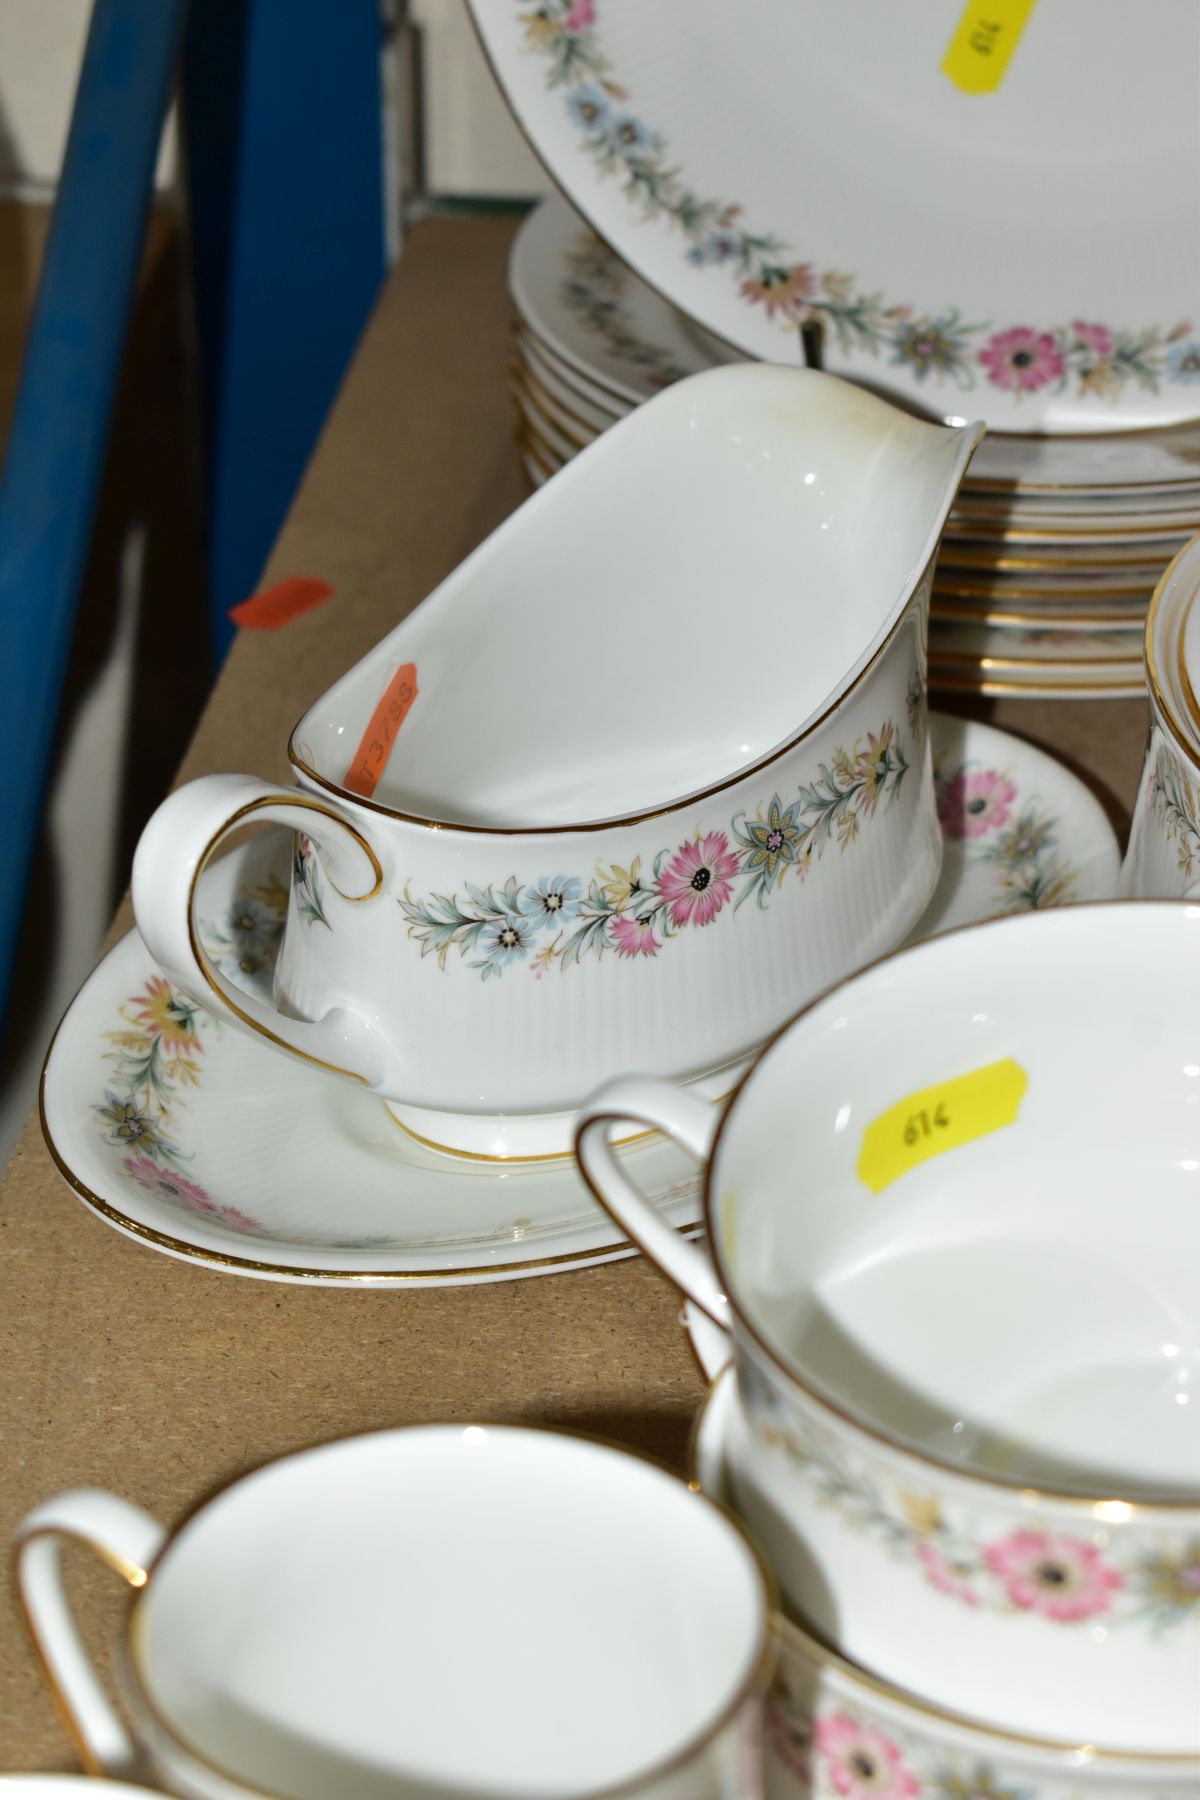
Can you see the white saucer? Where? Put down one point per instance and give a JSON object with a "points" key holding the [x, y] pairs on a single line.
{"points": [[1020, 831], [215, 1151]]}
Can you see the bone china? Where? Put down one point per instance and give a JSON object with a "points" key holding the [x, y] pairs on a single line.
{"points": [[831, 1729], [472, 1611], [1163, 858], [953, 1211], [665, 773]]}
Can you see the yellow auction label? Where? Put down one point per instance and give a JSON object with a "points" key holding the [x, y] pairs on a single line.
{"points": [[987, 34], [939, 1118]]}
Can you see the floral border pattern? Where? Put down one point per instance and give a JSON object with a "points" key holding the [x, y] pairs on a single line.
{"points": [[841, 1750], [156, 1054], [1176, 803], [1054, 1575], [592, 290], [976, 807], [633, 910], [1097, 360]]}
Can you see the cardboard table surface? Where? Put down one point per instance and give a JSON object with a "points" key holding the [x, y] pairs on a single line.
{"points": [[125, 1369]]}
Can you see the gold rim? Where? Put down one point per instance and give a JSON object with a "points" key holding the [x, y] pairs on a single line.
{"points": [[1083, 591], [1031, 534], [239, 1012], [1084, 623], [528, 437], [910, 601], [527, 448], [1158, 696], [760, 1661], [489, 1156], [528, 389], [541, 1156], [994, 484], [1014, 690], [959, 556], [536, 418], [970, 659], [826, 1404], [128, 1571], [824, 1654], [606, 400], [191, 1252]]}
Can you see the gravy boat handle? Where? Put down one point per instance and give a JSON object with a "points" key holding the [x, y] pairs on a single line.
{"points": [[687, 1121], [172, 854]]}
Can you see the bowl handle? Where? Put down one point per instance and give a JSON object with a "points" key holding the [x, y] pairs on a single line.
{"points": [[688, 1122], [128, 1540], [173, 852]]}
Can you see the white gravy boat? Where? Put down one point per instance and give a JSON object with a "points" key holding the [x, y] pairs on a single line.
{"points": [[664, 777]]}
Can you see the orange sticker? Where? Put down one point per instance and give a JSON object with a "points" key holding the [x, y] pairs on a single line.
{"points": [[371, 757], [279, 605]]}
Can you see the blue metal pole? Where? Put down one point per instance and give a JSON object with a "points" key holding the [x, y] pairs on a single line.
{"points": [[60, 424], [283, 127]]}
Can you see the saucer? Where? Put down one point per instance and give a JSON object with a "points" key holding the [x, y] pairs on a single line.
{"points": [[1020, 832], [184, 1134]]}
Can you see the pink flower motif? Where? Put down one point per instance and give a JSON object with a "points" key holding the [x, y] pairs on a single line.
{"points": [[167, 1185], [634, 937], [581, 15], [862, 1764], [1021, 359], [942, 1574], [697, 881], [973, 804], [1060, 1577], [1097, 338], [239, 1221]]}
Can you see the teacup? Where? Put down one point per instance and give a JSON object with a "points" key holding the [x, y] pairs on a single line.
{"points": [[833, 1729], [953, 1214], [652, 766], [462, 1610], [1163, 857]]}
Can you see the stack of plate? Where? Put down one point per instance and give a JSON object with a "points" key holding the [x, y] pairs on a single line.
{"points": [[977, 217], [1050, 555]]}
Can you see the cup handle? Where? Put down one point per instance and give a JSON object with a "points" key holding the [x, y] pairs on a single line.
{"points": [[172, 854], [128, 1540], [688, 1122]]}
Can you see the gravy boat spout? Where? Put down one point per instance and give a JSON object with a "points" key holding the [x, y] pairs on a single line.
{"points": [[660, 772], [678, 604]]}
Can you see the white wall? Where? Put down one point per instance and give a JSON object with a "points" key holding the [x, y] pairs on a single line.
{"points": [[41, 45], [472, 145]]}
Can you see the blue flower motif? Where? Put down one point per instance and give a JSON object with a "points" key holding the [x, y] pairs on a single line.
{"points": [[717, 247], [629, 137], [1183, 360], [507, 939], [589, 108], [554, 900]]}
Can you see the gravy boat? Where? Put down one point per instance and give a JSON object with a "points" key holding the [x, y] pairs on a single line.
{"points": [[656, 769]]}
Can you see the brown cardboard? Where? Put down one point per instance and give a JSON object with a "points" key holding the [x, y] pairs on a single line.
{"points": [[161, 1380]]}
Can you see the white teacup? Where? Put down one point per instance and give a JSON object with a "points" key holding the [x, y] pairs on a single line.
{"points": [[955, 1217], [833, 1729], [1162, 861], [666, 772], [479, 1611]]}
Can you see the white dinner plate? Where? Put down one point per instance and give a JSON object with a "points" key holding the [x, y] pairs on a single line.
{"points": [[1030, 255]]}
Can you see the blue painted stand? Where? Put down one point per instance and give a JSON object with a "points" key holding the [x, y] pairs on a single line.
{"points": [[283, 131], [60, 424]]}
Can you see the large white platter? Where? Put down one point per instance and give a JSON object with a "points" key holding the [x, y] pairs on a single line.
{"points": [[1029, 255]]}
